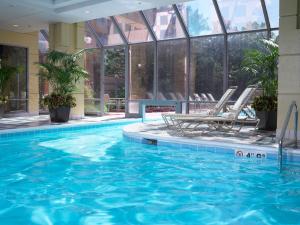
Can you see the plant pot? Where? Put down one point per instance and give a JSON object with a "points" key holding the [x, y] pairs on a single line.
{"points": [[1, 110], [267, 120], [60, 114]]}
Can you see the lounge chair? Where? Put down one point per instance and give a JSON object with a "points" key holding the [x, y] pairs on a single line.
{"points": [[226, 121], [204, 97], [180, 96], [161, 96], [172, 96], [215, 111], [211, 97], [149, 95]]}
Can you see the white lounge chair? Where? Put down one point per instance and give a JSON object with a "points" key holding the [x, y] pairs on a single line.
{"points": [[211, 97], [225, 121], [215, 111]]}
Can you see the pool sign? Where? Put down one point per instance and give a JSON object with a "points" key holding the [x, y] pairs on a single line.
{"points": [[250, 154]]}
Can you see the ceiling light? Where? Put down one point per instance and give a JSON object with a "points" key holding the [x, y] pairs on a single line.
{"points": [[15, 25], [87, 11]]}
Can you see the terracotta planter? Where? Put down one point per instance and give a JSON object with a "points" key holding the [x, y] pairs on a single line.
{"points": [[268, 120], [60, 114]]}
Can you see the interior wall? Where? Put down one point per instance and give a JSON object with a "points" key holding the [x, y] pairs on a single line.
{"points": [[289, 62], [29, 41]]}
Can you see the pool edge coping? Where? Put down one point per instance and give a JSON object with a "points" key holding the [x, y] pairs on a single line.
{"points": [[63, 126], [186, 142]]}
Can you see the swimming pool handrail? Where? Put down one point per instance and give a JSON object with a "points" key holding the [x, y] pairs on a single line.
{"points": [[294, 141]]}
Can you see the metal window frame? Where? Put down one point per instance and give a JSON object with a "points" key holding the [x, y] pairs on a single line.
{"points": [[126, 44]]}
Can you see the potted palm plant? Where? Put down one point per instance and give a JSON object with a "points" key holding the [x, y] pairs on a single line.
{"points": [[6, 72], [63, 72], [263, 65]]}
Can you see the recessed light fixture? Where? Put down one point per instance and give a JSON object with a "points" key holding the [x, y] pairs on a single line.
{"points": [[15, 25], [87, 11]]}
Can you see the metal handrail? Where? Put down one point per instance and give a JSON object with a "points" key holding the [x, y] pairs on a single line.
{"points": [[281, 143]]}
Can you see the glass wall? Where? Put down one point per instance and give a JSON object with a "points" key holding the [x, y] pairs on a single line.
{"points": [[106, 31], [43, 84], [238, 44], [141, 71], [207, 69], [114, 79], [92, 88], [189, 48], [17, 88], [172, 69], [134, 27], [273, 12], [200, 17], [164, 23]]}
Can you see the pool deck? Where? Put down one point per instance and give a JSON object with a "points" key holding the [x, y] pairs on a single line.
{"points": [[247, 138], [43, 120]]}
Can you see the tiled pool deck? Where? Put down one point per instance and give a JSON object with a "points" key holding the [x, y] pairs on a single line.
{"points": [[248, 138], [43, 120]]}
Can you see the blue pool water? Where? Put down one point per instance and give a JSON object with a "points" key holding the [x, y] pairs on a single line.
{"points": [[94, 176]]}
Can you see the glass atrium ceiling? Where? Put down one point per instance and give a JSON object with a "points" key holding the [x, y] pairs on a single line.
{"points": [[185, 20]]}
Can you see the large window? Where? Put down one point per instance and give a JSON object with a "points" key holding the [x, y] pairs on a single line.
{"points": [[238, 44], [141, 71], [172, 69], [273, 12], [43, 84], [17, 88], [114, 79], [134, 27], [164, 23], [200, 17], [92, 88], [207, 69], [106, 31], [242, 15]]}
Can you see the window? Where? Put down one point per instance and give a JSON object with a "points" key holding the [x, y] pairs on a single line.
{"points": [[207, 58], [17, 87], [114, 79], [127, 27], [164, 20], [92, 88], [162, 34], [43, 84], [134, 20], [200, 17], [172, 27], [106, 31], [242, 15], [172, 69], [141, 71], [273, 12], [237, 45], [89, 38]]}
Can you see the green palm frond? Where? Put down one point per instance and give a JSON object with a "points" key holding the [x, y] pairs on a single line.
{"points": [[263, 66], [63, 71]]}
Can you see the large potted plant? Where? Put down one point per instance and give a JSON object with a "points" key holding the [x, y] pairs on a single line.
{"points": [[63, 72], [263, 65], [6, 72]]}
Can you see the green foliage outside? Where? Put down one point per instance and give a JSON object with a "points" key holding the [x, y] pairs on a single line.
{"points": [[6, 73]]}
